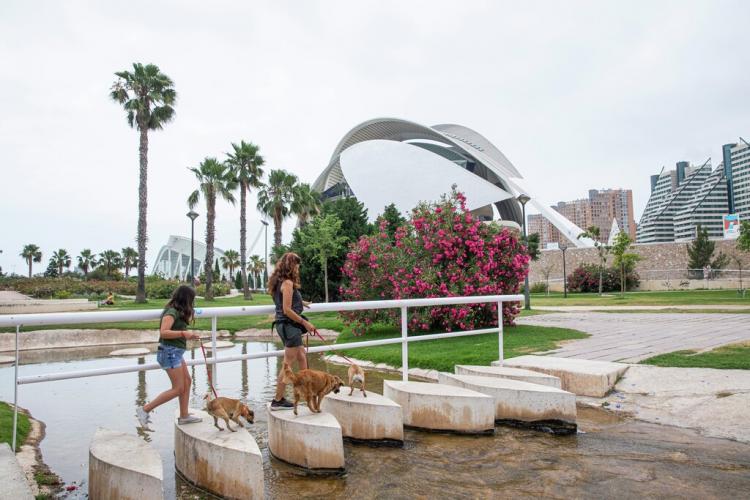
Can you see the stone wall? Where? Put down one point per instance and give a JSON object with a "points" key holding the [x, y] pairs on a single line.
{"points": [[658, 260]]}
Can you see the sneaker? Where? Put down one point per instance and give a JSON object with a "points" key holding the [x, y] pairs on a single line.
{"points": [[189, 420], [281, 404], [143, 417]]}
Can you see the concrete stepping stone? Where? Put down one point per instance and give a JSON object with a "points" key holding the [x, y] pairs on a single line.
{"points": [[5, 360], [442, 407], [579, 376], [123, 466], [313, 441], [374, 418], [134, 351], [522, 403], [228, 464], [220, 344], [12, 477], [509, 373]]}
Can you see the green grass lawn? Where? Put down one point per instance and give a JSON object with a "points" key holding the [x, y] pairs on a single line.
{"points": [[677, 297], [734, 356], [6, 425], [442, 354]]}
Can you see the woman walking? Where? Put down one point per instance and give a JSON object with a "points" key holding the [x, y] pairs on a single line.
{"points": [[284, 286], [173, 336]]}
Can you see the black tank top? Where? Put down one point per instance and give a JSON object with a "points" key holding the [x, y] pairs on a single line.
{"points": [[278, 301]]}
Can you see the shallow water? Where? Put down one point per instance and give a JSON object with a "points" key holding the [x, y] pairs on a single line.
{"points": [[611, 457]]}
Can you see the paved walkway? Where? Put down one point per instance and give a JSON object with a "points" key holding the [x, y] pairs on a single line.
{"points": [[633, 337], [710, 307]]}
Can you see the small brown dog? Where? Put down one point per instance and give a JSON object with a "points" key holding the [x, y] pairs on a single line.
{"points": [[356, 374], [228, 409], [312, 385]]}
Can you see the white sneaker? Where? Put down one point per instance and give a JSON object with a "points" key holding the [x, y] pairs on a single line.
{"points": [[143, 417], [189, 420]]}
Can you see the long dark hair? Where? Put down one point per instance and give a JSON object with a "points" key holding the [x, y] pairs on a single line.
{"points": [[286, 269], [182, 300]]}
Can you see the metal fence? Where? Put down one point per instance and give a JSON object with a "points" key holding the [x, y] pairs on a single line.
{"points": [[25, 320]]}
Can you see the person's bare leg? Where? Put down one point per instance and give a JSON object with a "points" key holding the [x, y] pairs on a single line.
{"points": [[301, 358], [177, 379], [289, 356], [185, 394]]}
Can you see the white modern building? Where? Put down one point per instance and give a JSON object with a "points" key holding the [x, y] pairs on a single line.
{"points": [[389, 160], [173, 259]]}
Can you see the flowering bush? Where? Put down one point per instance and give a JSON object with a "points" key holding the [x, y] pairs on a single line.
{"points": [[441, 251], [585, 278]]}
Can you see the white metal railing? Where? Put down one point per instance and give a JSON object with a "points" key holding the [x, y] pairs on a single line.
{"points": [[42, 319]]}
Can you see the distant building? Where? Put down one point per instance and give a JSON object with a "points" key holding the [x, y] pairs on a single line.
{"points": [[547, 232], [173, 259], [736, 163]]}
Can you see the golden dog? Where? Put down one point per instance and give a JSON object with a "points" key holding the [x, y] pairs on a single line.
{"points": [[356, 374], [228, 409], [312, 385]]}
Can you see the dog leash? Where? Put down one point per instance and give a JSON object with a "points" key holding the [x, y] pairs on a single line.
{"points": [[208, 371], [317, 334]]}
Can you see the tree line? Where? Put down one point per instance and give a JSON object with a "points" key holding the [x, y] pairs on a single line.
{"points": [[108, 261]]}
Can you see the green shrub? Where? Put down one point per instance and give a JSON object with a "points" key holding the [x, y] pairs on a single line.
{"points": [[62, 294], [539, 287], [218, 288]]}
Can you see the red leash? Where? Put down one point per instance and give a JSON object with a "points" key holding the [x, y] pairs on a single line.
{"points": [[317, 334], [208, 370]]}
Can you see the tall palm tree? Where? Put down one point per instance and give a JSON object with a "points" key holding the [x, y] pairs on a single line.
{"points": [[147, 95], [111, 260], [86, 261], [246, 164], [275, 199], [129, 260], [61, 259], [255, 266], [215, 179], [306, 203], [230, 261], [31, 253]]}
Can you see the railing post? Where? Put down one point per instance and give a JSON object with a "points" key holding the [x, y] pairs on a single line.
{"points": [[500, 332], [404, 345], [15, 393], [214, 321]]}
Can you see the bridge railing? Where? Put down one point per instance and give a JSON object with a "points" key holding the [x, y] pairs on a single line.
{"points": [[45, 319]]}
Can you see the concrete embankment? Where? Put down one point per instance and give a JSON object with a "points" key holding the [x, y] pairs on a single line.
{"points": [[12, 478]]}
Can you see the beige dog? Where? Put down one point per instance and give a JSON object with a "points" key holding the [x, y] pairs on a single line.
{"points": [[228, 409], [310, 385], [356, 374]]}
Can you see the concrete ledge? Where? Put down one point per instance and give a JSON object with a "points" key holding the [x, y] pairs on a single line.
{"points": [[57, 339], [373, 418], [220, 344], [442, 407], [517, 401], [122, 466], [579, 376], [29, 306], [228, 464], [5, 360], [310, 440], [134, 351], [509, 373], [12, 478]]}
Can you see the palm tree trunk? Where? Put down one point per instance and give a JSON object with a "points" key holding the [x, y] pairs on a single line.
{"points": [[601, 275], [140, 294], [325, 276], [277, 226], [29, 260], [210, 218], [243, 240]]}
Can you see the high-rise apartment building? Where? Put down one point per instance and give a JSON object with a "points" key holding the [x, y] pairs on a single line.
{"points": [[577, 211], [547, 232], [612, 204], [737, 173]]}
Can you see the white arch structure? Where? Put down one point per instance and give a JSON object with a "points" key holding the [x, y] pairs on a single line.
{"points": [[495, 181], [173, 258]]}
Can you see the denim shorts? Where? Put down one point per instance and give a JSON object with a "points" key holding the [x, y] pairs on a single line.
{"points": [[169, 356]]}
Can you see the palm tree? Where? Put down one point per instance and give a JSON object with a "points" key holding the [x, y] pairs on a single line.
{"points": [[255, 266], [594, 233], [61, 258], [214, 179], [147, 95], [275, 199], [230, 261], [306, 203], [111, 260], [246, 166], [31, 253], [86, 261], [129, 260]]}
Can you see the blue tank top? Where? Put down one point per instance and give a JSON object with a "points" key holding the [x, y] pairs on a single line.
{"points": [[278, 301]]}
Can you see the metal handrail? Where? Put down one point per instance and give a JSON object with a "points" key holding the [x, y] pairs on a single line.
{"points": [[42, 319]]}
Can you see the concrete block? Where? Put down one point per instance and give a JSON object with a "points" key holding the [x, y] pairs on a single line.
{"points": [[12, 478], [220, 344], [546, 407], [133, 351], [442, 407], [371, 418], [579, 376], [228, 464], [122, 466], [6, 360], [310, 440], [509, 373]]}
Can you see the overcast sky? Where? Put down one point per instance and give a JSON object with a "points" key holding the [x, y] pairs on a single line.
{"points": [[578, 95]]}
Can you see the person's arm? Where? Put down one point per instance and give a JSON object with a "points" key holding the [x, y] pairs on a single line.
{"points": [[166, 332], [287, 290]]}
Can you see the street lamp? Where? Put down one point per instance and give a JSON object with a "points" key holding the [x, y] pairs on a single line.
{"points": [[192, 216], [563, 247], [523, 199], [265, 263]]}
